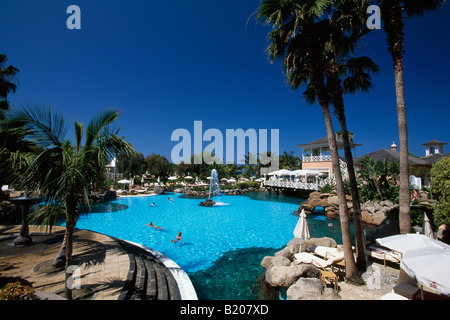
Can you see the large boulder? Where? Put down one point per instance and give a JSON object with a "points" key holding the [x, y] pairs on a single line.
{"points": [[285, 276], [388, 227], [306, 289], [311, 289]]}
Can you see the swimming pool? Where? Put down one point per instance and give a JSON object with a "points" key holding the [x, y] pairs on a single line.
{"points": [[207, 233], [222, 246]]}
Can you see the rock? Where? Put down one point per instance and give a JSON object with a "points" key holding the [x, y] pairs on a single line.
{"points": [[266, 262], [207, 203], [158, 189], [287, 252], [285, 276], [306, 289], [333, 200], [325, 242], [281, 261], [388, 227], [330, 294]]}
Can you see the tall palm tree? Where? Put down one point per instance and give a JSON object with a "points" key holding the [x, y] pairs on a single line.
{"points": [[393, 13], [301, 38], [65, 173], [349, 74], [7, 83]]}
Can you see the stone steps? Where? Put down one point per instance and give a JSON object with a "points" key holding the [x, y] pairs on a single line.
{"points": [[148, 278]]}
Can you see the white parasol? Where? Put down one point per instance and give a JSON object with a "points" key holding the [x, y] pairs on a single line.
{"points": [[301, 229]]}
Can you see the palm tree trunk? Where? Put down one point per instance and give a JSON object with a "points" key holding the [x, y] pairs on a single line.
{"points": [[350, 266], [60, 259], [339, 110], [394, 30], [361, 258], [351, 272], [69, 251]]}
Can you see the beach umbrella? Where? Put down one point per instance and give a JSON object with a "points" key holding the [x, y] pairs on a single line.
{"points": [[188, 177], [172, 178], [426, 226], [410, 241], [281, 172], [124, 181], [301, 229], [429, 265]]}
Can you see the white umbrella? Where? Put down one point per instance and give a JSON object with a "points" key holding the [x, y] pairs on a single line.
{"points": [[306, 173], [282, 172], [188, 177], [172, 178], [410, 241], [124, 181], [427, 230], [301, 229], [429, 265]]}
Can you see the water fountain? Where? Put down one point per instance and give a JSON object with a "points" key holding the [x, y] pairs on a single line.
{"points": [[23, 203], [214, 190]]}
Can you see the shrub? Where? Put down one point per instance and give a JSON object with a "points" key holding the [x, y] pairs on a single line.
{"points": [[17, 291], [440, 186]]}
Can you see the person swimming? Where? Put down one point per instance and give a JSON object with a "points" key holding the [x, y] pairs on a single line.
{"points": [[153, 226], [152, 205], [178, 238]]}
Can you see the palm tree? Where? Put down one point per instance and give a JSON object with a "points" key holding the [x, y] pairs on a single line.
{"points": [[355, 71], [393, 13], [65, 173], [301, 39], [7, 85], [289, 161]]}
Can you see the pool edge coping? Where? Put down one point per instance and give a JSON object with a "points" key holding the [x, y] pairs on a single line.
{"points": [[187, 290]]}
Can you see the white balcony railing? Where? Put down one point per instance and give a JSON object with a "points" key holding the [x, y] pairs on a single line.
{"points": [[294, 184], [317, 158]]}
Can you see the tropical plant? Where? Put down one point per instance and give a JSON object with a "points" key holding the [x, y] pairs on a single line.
{"points": [[393, 13], [440, 186], [378, 179], [302, 38], [64, 173], [289, 161], [7, 83]]}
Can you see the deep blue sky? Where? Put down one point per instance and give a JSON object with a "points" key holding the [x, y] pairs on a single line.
{"points": [[165, 64]]}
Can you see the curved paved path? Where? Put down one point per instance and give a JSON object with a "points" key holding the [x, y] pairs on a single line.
{"points": [[114, 269]]}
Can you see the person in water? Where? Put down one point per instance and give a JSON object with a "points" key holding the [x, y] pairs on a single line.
{"points": [[152, 205], [178, 238], [153, 226]]}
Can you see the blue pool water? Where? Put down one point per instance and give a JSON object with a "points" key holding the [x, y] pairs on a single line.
{"points": [[222, 246], [207, 232]]}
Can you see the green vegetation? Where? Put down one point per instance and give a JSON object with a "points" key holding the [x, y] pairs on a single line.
{"points": [[440, 186], [378, 180]]}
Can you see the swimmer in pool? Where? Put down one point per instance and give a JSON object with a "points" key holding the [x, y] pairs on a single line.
{"points": [[153, 226], [178, 238]]}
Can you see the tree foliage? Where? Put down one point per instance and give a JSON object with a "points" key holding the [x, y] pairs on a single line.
{"points": [[440, 186], [378, 179]]}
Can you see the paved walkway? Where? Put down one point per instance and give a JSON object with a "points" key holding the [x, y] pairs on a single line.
{"points": [[106, 265]]}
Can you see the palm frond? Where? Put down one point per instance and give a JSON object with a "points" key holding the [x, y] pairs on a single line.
{"points": [[42, 126]]}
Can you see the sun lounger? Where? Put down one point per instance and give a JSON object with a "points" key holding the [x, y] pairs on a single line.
{"points": [[305, 257], [385, 254]]}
